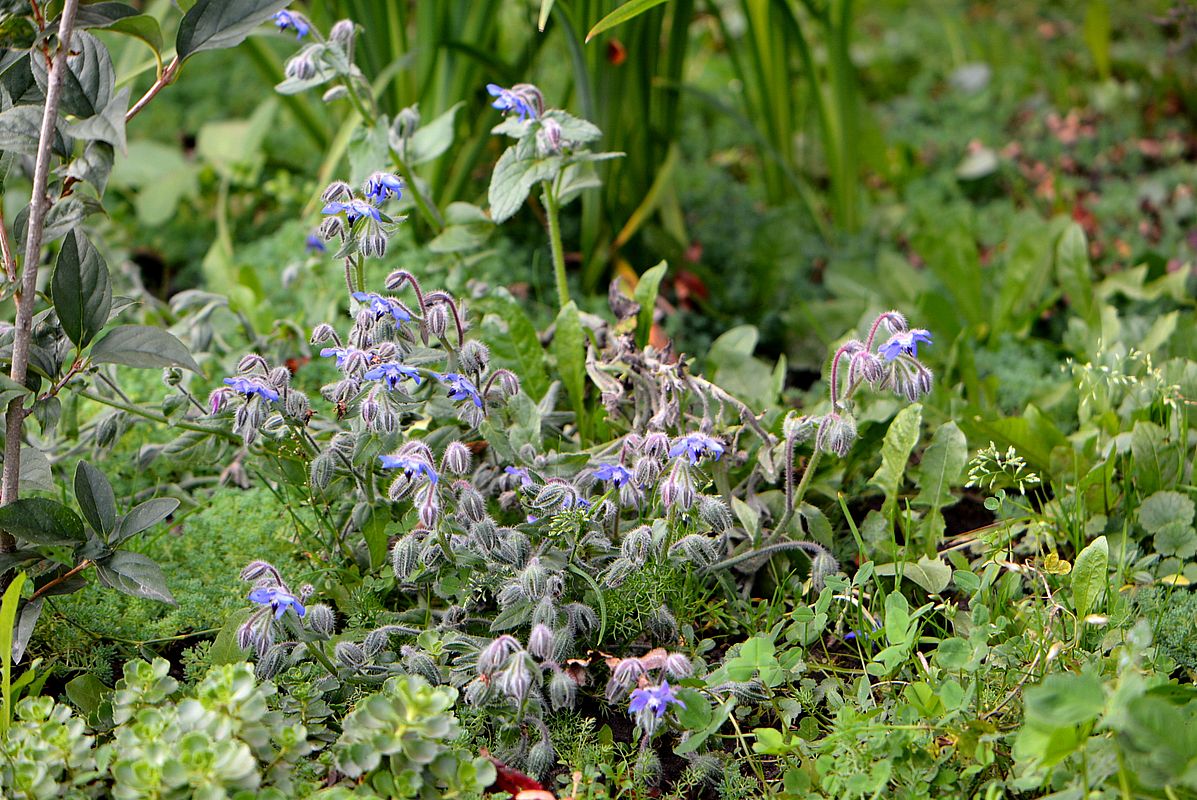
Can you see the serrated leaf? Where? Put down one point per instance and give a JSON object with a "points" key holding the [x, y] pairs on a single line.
{"points": [[134, 574], [144, 516], [96, 499], [645, 294], [81, 288], [1089, 576], [513, 179], [142, 346], [38, 520], [216, 24], [1165, 508], [900, 439], [569, 349]]}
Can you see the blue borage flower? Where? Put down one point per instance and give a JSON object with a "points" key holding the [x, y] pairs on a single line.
{"points": [[904, 342], [613, 473], [286, 19], [278, 600], [461, 388], [520, 473], [509, 101], [314, 244], [381, 306], [654, 700], [249, 387], [410, 466], [695, 446], [393, 374], [382, 185], [341, 353], [353, 210]]}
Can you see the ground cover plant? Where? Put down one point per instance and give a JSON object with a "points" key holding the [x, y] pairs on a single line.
{"points": [[594, 399]]}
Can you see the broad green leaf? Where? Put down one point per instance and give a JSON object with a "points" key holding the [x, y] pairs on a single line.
{"points": [[86, 692], [81, 288], [756, 656], [1155, 457], [949, 247], [121, 18], [20, 127], [134, 574], [932, 574], [939, 470], [569, 349], [645, 294], [1165, 508], [1073, 270], [1033, 435], [8, 621], [697, 713], [1089, 576], [1065, 700], [108, 125], [900, 439], [718, 717], [38, 520], [954, 654], [513, 179], [88, 84], [897, 618], [10, 390], [96, 499], [514, 343], [629, 10], [144, 516], [433, 139], [142, 346], [1025, 274], [216, 24]]}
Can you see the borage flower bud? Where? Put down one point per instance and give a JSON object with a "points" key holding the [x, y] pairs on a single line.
{"points": [[334, 93], [430, 505], [656, 445], [715, 513], [407, 121], [301, 66], [562, 690], [626, 674], [540, 642], [279, 377], [218, 400], [331, 228], [678, 488], [252, 362], [323, 333], [491, 657], [297, 405], [436, 319], [456, 459], [475, 357], [343, 33], [337, 190], [350, 655], [405, 557], [637, 545], [678, 665], [797, 427], [548, 137], [534, 580], [322, 620], [271, 663], [373, 244], [836, 433], [477, 692], [541, 758], [470, 504], [515, 680]]}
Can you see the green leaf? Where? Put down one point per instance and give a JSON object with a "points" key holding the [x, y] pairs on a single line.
{"points": [[1073, 270], [719, 717], [629, 10], [89, 82], [931, 574], [645, 294], [81, 288], [86, 692], [216, 24], [756, 656], [121, 18], [433, 139], [939, 470], [1165, 508], [96, 499], [569, 349], [513, 179], [10, 390], [1096, 31], [142, 346], [900, 439], [697, 713], [954, 654], [1089, 576], [106, 126], [20, 127], [134, 574], [144, 516], [546, 8], [8, 620], [514, 344], [38, 520], [1154, 457]]}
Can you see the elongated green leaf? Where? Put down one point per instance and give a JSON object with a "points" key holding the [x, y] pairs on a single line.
{"points": [[121, 18], [8, 621], [629, 10], [216, 24], [1089, 576], [433, 139], [88, 84], [546, 8], [646, 295], [142, 346], [569, 349], [38, 520], [134, 574], [1073, 270], [900, 440], [96, 499], [940, 470], [144, 517], [514, 344], [82, 289]]}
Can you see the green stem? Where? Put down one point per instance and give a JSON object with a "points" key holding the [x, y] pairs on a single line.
{"points": [[159, 418], [807, 473], [553, 212], [427, 209]]}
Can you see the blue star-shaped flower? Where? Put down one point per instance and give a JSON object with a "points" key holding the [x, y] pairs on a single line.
{"points": [[461, 388], [410, 466], [614, 473], [906, 342], [249, 387], [277, 599], [341, 353], [696, 446], [508, 101], [393, 374], [353, 210], [655, 700], [381, 306], [382, 185], [314, 244], [285, 20]]}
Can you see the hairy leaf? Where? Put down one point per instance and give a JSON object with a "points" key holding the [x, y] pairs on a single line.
{"points": [[900, 440]]}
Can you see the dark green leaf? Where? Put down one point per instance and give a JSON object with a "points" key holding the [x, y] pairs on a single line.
{"points": [[569, 349], [216, 24], [645, 294], [900, 439], [38, 520], [90, 80], [121, 18], [86, 692], [81, 288], [144, 517], [142, 346], [134, 574], [106, 126], [96, 499], [514, 178]]}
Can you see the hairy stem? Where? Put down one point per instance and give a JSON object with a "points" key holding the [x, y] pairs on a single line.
{"points": [[552, 212], [26, 299]]}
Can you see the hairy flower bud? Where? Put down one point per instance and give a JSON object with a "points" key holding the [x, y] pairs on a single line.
{"points": [[678, 665], [563, 690], [331, 228], [407, 121], [405, 557], [334, 93], [799, 427], [541, 758], [343, 33], [301, 66], [548, 137], [534, 579], [624, 676], [436, 319], [470, 504], [715, 513], [252, 362], [271, 663], [457, 459], [373, 244], [350, 655], [662, 625], [430, 505], [656, 445], [172, 376], [337, 190], [836, 433], [540, 642], [637, 544], [322, 620], [491, 657], [477, 692], [678, 488], [475, 357]]}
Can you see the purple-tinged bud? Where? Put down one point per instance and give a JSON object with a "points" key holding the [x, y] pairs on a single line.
{"points": [[218, 400], [678, 488], [436, 319], [300, 67], [322, 620], [515, 679], [337, 190], [430, 506], [279, 377], [555, 494], [252, 362], [373, 244], [491, 657], [563, 690], [370, 409], [799, 428], [476, 693], [331, 228], [343, 33], [656, 445], [386, 351], [399, 487], [509, 384], [475, 357], [247, 632], [894, 321], [531, 95], [323, 333], [256, 570], [678, 666], [540, 642], [456, 460], [377, 640], [297, 405], [356, 363], [548, 138], [836, 433], [646, 471], [627, 673]]}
